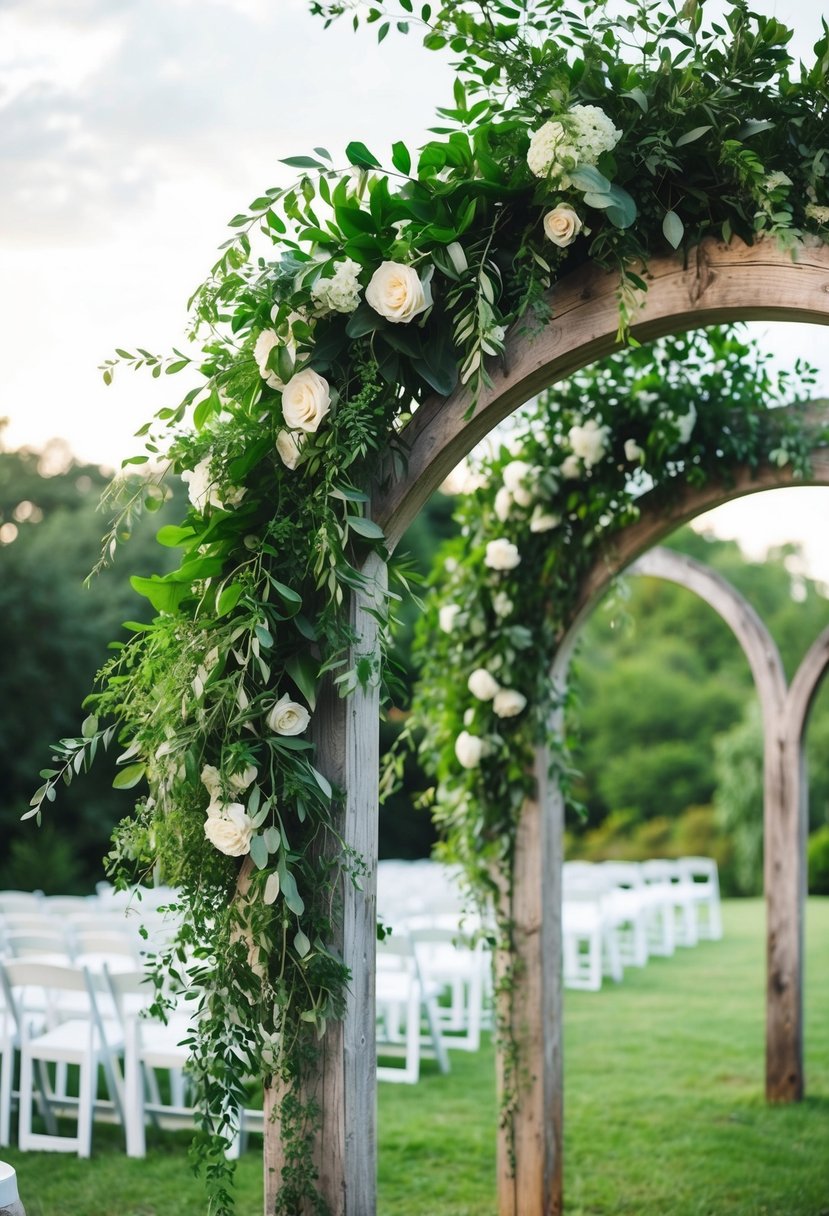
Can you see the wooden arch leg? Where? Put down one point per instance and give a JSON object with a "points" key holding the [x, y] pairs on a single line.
{"points": [[347, 736], [530, 1176]]}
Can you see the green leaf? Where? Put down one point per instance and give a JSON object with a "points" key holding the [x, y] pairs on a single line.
{"points": [[304, 671], [292, 897], [89, 726], [301, 943], [588, 177], [229, 598], [172, 536], [323, 783], [271, 892], [598, 201], [623, 211], [364, 320], [164, 597], [291, 597], [302, 162], [673, 229], [401, 157], [128, 777], [365, 527], [690, 136], [358, 154], [258, 852]]}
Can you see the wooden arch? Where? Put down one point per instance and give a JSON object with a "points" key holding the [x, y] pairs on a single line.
{"points": [[720, 283]]}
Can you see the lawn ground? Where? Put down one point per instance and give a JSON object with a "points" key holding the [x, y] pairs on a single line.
{"points": [[664, 1110]]}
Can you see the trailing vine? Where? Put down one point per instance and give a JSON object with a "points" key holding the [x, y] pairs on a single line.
{"points": [[337, 306]]}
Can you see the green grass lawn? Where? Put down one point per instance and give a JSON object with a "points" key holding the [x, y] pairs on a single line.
{"points": [[664, 1110]]}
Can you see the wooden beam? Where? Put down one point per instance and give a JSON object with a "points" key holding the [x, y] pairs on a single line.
{"points": [[346, 732], [719, 283]]}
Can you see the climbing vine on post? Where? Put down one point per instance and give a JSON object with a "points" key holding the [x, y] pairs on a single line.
{"points": [[337, 306]]}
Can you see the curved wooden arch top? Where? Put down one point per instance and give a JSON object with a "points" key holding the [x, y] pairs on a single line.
{"points": [[719, 283]]}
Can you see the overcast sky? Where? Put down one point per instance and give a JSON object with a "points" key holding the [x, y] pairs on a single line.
{"points": [[131, 130]]}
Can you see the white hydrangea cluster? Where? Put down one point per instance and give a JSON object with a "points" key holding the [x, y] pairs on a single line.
{"points": [[592, 132], [340, 293], [579, 137]]}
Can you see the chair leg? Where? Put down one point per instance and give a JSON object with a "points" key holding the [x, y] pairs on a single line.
{"points": [[134, 1094], [86, 1100], [24, 1129], [6, 1071]]}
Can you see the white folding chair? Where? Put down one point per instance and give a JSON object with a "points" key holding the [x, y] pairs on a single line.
{"points": [[665, 875], [456, 965], [405, 1001], [702, 879], [88, 1042]]}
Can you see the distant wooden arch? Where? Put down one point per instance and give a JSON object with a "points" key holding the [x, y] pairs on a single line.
{"points": [[719, 283]]}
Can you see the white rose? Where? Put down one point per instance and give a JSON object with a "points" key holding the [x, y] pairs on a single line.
{"points": [[289, 445], [589, 441], [633, 452], [288, 717], [571, 468], [238, 782], [515, 475], [543, 521], [229, 827], [306, 400], [469, 717], [503, 504], [502, 554], [502, 604], [562, 225], [482, 685], [469, 749], [685, 424], [265, 343], [508, 702], [202, 486], [396, 292], [446, 616], [211, 781]]}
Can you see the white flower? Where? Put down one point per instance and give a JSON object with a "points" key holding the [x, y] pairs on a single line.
{"points": [[773, 181], [306, 399], [543, 521], [289, 445], [501, 604], [239, 782], [288, 717], [211, 781], [684, 423], [592, 132], [633, 452], [571, 468], [229, 827], [202, 486], [265, 343], [589, 441], [232, 496], [780, 457], [515, 475], [815, 212], [396, 292], [482, 685], [503, 504], [501, 554], [340, 293], [562, 225], [551, 154], [469, 749], [508, 702], [446, 616]]}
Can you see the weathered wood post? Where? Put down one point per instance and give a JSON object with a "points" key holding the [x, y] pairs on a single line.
{"points": [[346, 732]]}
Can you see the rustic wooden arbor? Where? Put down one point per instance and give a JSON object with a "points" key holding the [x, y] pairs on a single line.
{"points": [[721, 283]]}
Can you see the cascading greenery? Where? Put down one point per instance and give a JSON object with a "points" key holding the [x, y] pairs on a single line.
{"points": [[338, 305]]}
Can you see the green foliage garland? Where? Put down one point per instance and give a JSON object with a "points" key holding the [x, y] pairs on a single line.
{"points": [[540, 507], [337, 306]]}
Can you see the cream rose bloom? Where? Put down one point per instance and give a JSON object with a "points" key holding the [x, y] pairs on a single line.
{"points": [[589, 441], [633, 452], [482, 685], [469, 749], [396, 292], [515, 475], [502, 605], [508, 702], [571, 468], [238, 782], [446, 616], [202, 487], [288, 717], [211, 781], [289, 445], [543, 521], [502, 554], [306, 399], [229, 828], [503, 504], [562, 225]]}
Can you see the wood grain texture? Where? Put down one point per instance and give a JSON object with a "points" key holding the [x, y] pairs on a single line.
{"points": [[530, 1171], [719, 283], [346, 732]]}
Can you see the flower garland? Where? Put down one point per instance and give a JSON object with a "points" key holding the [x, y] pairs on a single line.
{"points": [[562, 146], [538, 508]]}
